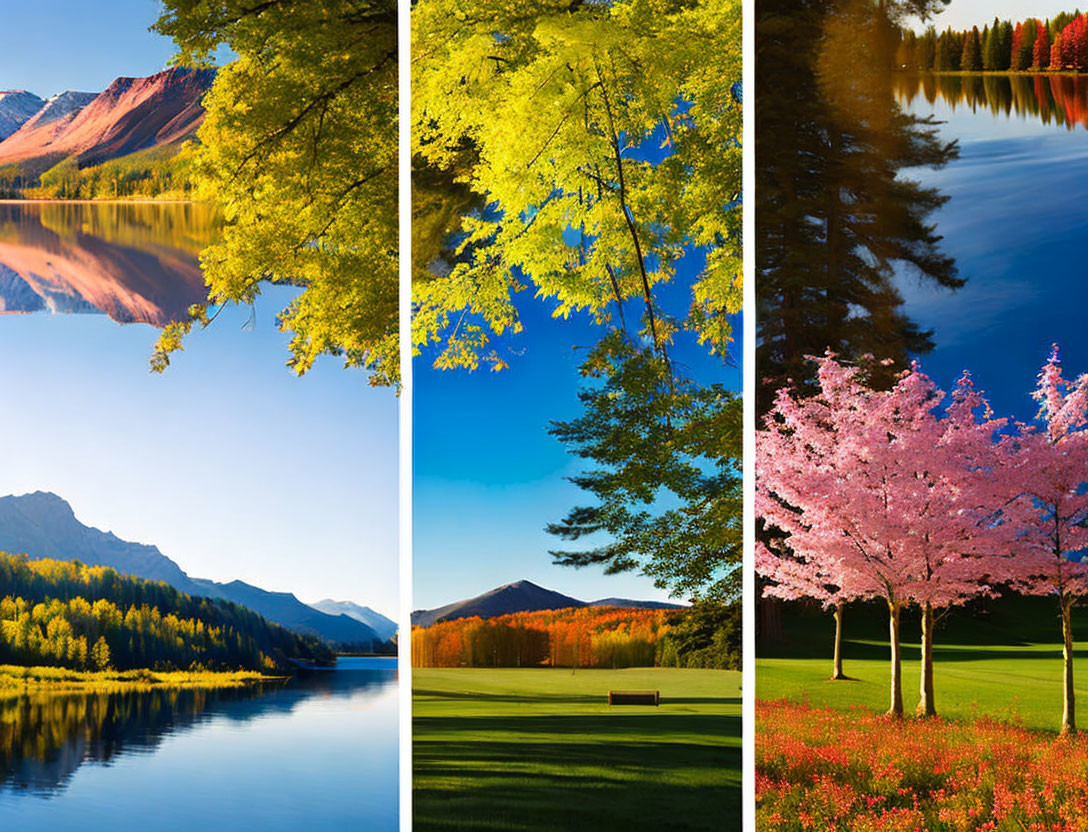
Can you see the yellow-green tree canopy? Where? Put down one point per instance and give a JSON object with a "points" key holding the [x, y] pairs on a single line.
{"points": [[555, 105], [299, 147]]}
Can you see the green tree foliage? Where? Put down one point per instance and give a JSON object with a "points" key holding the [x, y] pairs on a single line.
{"points": [[545, 111], [667, 485], [299, 147], [66, 614], [705, 635]]}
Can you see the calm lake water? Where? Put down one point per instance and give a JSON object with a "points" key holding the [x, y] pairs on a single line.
{"points": [[83, 288], [318, 752], [1016, 222], [136, 263]]}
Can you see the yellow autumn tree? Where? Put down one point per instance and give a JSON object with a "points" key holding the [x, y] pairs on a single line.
{"points": [[299, 148], [602, 144]]}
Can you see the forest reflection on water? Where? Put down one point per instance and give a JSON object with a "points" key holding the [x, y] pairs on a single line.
{"points": [[338, 727], [841, 215], [1055, 98], [135, 262], [45, 737]]}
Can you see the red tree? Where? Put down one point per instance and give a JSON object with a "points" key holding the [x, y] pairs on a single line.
{"points": [[1041, 58]]}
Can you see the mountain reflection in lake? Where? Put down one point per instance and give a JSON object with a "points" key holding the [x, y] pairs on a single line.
{"points": [[318, 751], [135, 262]]}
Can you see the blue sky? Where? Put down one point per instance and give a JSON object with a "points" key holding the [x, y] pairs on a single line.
{"points": [[488, 477], [55, 45], [229, 463]]}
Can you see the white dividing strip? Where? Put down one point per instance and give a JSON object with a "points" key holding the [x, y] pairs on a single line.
{"points": [[404, 179], [748, 602]]}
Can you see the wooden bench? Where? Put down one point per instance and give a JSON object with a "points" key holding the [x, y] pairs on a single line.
{"points": [[634, 697]]}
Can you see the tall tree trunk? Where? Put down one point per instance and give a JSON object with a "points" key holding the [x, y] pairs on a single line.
{"points": [[837, 671], [1069, 702], [926, 704], [896, 709]]}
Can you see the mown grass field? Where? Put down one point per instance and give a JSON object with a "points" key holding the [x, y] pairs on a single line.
{"points": [[1004, 661], [540, 749]]}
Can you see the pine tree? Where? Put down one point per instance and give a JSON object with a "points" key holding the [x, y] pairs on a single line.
{"points": [[1004, 47], [990, 45], [971, 57], [927, 49]]}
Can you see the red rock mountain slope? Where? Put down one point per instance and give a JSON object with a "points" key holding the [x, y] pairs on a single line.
{"points": [[133, 114]]}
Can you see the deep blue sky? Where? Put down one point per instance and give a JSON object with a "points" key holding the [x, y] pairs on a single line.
{"points": [[488, 477], [55, 45], [1017, 223]]}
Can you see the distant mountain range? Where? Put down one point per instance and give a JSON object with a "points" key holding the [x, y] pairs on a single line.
{"points": [[43, 525], [132, 114], [374, 620], [521, 596]]}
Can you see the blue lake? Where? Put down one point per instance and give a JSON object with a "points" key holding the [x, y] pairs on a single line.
{"points": [[318, 752], [1017, 224]]}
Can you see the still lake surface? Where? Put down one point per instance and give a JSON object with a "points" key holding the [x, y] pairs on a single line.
{"points": [[1016, 222], [83, 288], [318, 752]]}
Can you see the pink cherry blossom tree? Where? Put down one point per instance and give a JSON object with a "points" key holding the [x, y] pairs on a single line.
{"points": [[880, 497], [1049, 470]]}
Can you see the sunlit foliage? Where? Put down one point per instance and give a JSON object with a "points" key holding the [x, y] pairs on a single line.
{"points": [[299, 148], [604, 141]]}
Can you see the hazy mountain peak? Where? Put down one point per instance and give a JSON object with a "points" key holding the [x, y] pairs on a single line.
{"points": [[384, 627]]}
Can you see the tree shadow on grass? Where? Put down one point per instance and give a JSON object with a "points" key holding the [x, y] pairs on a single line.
{"points": [[591, 772]]}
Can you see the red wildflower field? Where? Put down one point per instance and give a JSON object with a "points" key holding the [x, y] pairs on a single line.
{"points": [[825, 769]]}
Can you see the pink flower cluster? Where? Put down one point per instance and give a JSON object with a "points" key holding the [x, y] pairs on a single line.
{"points": [[823, 769]]}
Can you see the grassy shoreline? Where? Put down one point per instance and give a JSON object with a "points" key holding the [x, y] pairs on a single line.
{"points": [[16, 679]]}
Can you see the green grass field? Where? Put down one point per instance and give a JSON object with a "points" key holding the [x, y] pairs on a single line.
{"points": [[540, 749], [1003, 661]]}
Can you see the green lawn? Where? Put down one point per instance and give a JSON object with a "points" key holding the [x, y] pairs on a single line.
{"points": [[540, 749], [1002, 661]]}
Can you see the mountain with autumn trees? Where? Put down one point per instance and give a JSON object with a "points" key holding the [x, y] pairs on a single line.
{"points": [[43, 525], [521, 596], [86, 129]]}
